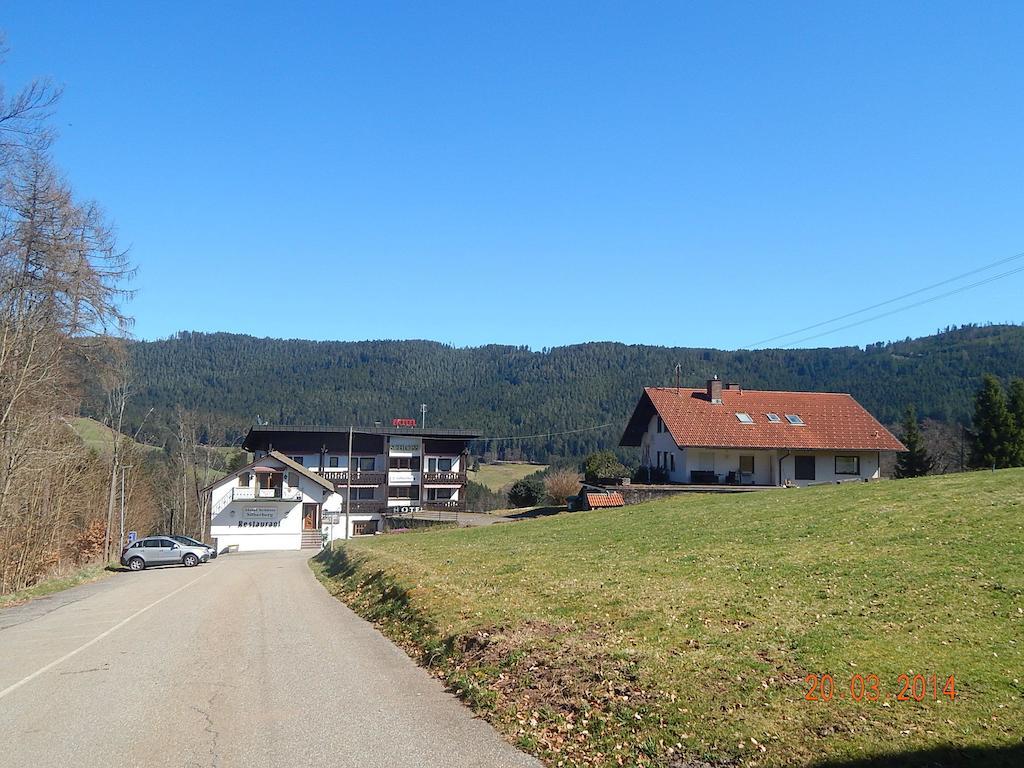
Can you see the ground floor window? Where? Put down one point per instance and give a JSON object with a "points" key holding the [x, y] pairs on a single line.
{"points": [[747, 465], [847, 465], [804, 467], [364, 527]]}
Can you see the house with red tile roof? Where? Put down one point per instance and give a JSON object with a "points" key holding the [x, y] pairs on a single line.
{"points": [[723, 433]]}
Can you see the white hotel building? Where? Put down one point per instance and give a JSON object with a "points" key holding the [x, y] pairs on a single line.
{"points": [[301, 488]]}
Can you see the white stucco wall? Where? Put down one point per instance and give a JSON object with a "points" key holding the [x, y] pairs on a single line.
{"points": [[663, 441], [824, 467], [261, 523]]}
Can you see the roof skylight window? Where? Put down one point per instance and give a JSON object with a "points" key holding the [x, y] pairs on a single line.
{"points": [[744, 418], [792, 418], [773, 418]]}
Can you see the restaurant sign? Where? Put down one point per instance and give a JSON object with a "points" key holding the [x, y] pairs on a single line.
{"points": [[260, 517]]}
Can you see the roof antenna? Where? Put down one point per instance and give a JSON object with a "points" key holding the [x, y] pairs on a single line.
{"points": [[679, 367]]}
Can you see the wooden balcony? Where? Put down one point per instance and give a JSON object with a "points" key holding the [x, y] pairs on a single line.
{"points": [[446, 505], [444, 478], [363, 507], [340, 477], [266, 494]]}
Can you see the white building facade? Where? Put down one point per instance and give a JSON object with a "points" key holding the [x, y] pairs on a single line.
{"points": [[310, 485]]}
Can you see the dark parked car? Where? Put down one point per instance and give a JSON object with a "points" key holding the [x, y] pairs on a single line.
{"points": [[162, 550]]}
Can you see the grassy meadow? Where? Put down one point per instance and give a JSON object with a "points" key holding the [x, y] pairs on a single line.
{"points": [[96, 436], [681, 632], [497, 476]]}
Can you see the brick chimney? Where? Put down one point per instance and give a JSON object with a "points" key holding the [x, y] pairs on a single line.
{"points": [[715, 390]]}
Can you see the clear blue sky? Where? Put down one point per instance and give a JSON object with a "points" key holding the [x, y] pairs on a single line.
{"points": [[542, 173]]}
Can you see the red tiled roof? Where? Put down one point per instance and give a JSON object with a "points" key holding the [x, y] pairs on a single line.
{"points": [[831, 420], [596, 500]]}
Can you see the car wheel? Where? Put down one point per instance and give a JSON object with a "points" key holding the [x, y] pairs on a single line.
{"points": [[137, 564], [190, 560]]}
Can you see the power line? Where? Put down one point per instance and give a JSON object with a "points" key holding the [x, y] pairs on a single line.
{"points": [[933, 286], [548, 434], [955, 291]]}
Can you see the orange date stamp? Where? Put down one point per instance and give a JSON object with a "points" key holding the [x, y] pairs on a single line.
{"points": [[870, 688]]}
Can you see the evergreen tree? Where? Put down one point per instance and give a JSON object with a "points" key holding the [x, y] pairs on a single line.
{"points": [[915, 461], [603, 464], [1016, 406], [993, 433], [528, 492]]}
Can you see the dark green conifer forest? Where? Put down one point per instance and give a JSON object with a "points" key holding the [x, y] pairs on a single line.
{"points": [[502, 391]]}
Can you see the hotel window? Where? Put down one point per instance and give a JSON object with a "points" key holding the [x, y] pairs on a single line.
{"points": [[333, 461], [244, 480], [793, 419], [439, 465], [404, 462], [296, 459], [365, 464], [404, 492], [440, 494], [744, 418], [773, 418], [847, 465], [362, 494]]}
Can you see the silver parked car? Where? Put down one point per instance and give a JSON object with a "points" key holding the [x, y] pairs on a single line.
{"points": [[189, 541], [162, 550]]}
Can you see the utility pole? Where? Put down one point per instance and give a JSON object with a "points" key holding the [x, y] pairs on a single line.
{"points": [[423, 416], [348, 484], [121, 536]]}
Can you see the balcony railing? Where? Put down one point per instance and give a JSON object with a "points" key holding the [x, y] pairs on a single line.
{"points": [[444, 478], [340, 477], [266, 494], [448, 505], [363, 506]]}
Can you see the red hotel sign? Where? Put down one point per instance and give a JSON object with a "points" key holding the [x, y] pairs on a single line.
{"points": [[403, 422]]}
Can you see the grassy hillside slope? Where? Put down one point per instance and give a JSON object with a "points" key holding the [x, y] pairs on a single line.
{"points": [[683, 630], [96, 436], [497, 476]]}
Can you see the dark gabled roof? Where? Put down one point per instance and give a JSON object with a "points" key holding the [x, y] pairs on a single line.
{"points": [[336, 438], [830, 420], [326, 484]]}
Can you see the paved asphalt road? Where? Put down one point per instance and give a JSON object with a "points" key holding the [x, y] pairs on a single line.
{"points": [[245, 661]]}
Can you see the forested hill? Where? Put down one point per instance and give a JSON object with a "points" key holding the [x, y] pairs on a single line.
{"points": [[503, 391]]}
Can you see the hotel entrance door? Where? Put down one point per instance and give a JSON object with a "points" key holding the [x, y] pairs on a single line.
{"points": [[310, 517]]}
